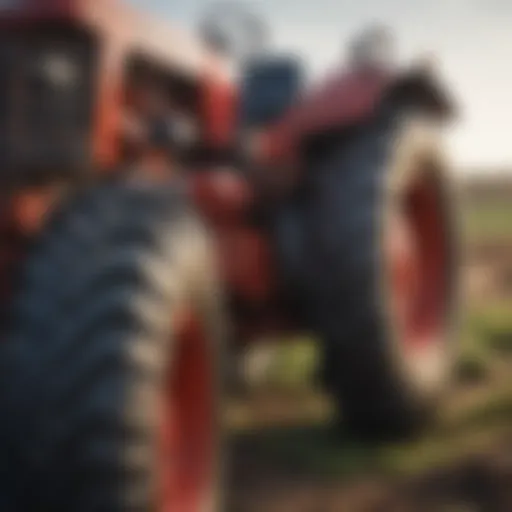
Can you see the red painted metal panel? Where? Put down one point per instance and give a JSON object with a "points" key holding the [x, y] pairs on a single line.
{"points": [[246, 257], [342, 100]]}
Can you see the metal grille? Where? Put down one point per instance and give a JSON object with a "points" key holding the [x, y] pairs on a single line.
{"points": [[45, 102]]}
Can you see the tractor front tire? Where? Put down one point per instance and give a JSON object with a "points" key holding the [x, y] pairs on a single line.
{"points": [[114, 351], [382, 265]]}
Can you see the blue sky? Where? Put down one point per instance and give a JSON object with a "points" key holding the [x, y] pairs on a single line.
{"points": [[472, 40]]}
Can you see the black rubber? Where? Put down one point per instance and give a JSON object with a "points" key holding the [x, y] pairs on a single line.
{"points": [[364, 363], [90, 342]]}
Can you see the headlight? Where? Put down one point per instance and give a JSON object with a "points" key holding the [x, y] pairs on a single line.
{"points": [[58, 69]]}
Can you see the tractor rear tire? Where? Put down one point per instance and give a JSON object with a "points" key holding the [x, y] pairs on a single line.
{"points": [[115, 348], [386, 375]]}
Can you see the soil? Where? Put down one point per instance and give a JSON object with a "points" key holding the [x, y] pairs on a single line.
{"points": [[479, 483], [465, 465]]}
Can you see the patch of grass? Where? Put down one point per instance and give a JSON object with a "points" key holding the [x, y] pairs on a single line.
{"points": [[326, 452], [296, 364], [485, 336], [487, 221], [433, 453], [492, 408], [457, 436], [489, 329], [474, 358]]}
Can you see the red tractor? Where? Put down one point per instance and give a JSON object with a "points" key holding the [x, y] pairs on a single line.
{"points": [[129, 243]]}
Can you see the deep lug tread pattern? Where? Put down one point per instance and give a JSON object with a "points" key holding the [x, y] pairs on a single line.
{"points": [[90, 340], [344, 251]]}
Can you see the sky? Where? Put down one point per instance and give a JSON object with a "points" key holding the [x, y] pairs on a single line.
{"points": [[470, 39]]}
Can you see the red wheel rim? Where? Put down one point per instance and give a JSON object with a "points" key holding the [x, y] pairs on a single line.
{"points": [[417, 252], [187, 440]]}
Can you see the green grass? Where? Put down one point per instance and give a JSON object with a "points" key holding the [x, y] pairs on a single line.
{"points": [[488, 329], [295, 364], [486, 336], [487, 221]]}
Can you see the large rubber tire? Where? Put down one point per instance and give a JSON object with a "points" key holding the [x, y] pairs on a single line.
{"points": [[384, 388], [93, 341]]}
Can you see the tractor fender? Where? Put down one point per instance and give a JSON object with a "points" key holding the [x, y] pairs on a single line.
{"points": [[351, 99], [420, 88], [341, 100], [338, 102]]}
